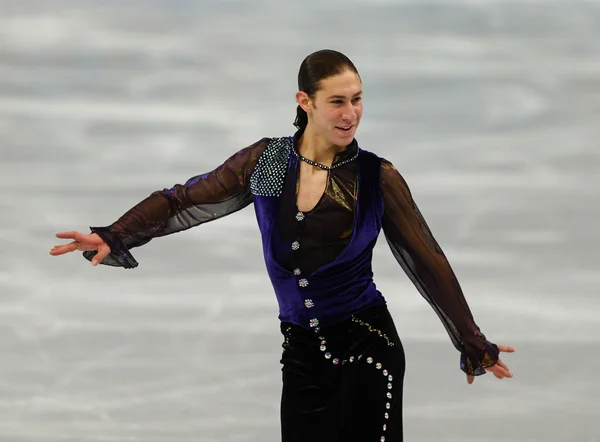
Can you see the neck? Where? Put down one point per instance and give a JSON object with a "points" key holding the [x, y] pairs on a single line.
{"points": [[316, 148]]}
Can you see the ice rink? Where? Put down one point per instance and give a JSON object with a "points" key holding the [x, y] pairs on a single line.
{"points": [[490, 110]]}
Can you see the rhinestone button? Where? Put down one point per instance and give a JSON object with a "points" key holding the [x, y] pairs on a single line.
{"points": [[300, 216], [308, 303], [314, 322], [296, 272], [295, 245], [303, 282]]}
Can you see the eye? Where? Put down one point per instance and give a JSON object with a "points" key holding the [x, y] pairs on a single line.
{"points": [[337, 101], [357, 99]]}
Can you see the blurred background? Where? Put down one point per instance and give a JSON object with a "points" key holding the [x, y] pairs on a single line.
{"points": [[489, 108]]}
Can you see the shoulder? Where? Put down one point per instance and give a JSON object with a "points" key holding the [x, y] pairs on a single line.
{"points": [[392, 180], [257, 147], [275, 149], [389, 170], [268, 176]]}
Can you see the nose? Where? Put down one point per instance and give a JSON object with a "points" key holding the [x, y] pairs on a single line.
{"points": [[349, 113]]}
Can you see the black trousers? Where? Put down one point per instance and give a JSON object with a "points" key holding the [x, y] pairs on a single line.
{"points": [[344, 382]]}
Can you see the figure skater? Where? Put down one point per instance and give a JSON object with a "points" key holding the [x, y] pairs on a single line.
{"points": [[321, 202]]}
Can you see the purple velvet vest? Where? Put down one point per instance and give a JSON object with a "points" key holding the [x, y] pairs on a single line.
{"points": [[341, 288]]}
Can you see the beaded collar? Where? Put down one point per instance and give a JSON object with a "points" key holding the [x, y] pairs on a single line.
{"points": [[341, 158]]}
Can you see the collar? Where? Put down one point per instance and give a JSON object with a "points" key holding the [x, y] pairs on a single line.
{"points": [[349, 152]]}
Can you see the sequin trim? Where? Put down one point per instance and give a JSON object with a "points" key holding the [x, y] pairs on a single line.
{"points": [[268, 176], [286, 342], [373, 330], [371, 361]]}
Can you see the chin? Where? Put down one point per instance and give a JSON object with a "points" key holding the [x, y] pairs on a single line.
{"points": [[343, 139]]}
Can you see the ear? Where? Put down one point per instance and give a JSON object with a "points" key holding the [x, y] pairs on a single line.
{"points": [[303, 101]]}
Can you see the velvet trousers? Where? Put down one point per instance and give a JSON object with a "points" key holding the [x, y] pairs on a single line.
{"points": [[343, 382]]}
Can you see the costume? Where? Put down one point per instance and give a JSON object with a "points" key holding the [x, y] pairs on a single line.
{"points": [[343, 362]]}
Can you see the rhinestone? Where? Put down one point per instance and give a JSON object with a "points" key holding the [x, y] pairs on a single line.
{"points": [[295, 245], [390, 386], [389, 395], [369, 360], [299, 216], [360, 357], [336, 361], [327, 355], [323, 348], [268, 176], [303, 283], [388, 406], [296, 272], [318, 329], [386, 415], [314, 322], [351, 358], [385, 372], [384, 427], [390, 378], [308, 303], [323, 341], [378, 366], [322, 338], [382, 438]]}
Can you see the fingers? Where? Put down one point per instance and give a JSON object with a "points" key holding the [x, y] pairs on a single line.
{"points": [[470, 379], [65, 248], [103, 251], [69, 235], [506, 349], [500, 372], [502, 364]]}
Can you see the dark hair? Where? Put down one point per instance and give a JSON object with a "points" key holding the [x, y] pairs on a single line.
{"points": [[317, 67]]}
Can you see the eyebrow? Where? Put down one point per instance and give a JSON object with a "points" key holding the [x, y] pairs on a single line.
{"points": [[342, 96]]}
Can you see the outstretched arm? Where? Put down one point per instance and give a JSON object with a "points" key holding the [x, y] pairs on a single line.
{"points": [[421, 257], [201, 199]]}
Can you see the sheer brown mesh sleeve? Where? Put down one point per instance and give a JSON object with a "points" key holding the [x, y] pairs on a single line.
{"points": [[201, 199], [424, 262]]}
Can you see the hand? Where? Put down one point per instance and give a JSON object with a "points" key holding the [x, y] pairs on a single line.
{"points": [[500, 370], [83, 243]]}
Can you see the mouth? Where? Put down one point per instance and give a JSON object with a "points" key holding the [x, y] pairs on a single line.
{"points": [[345, 129]]}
